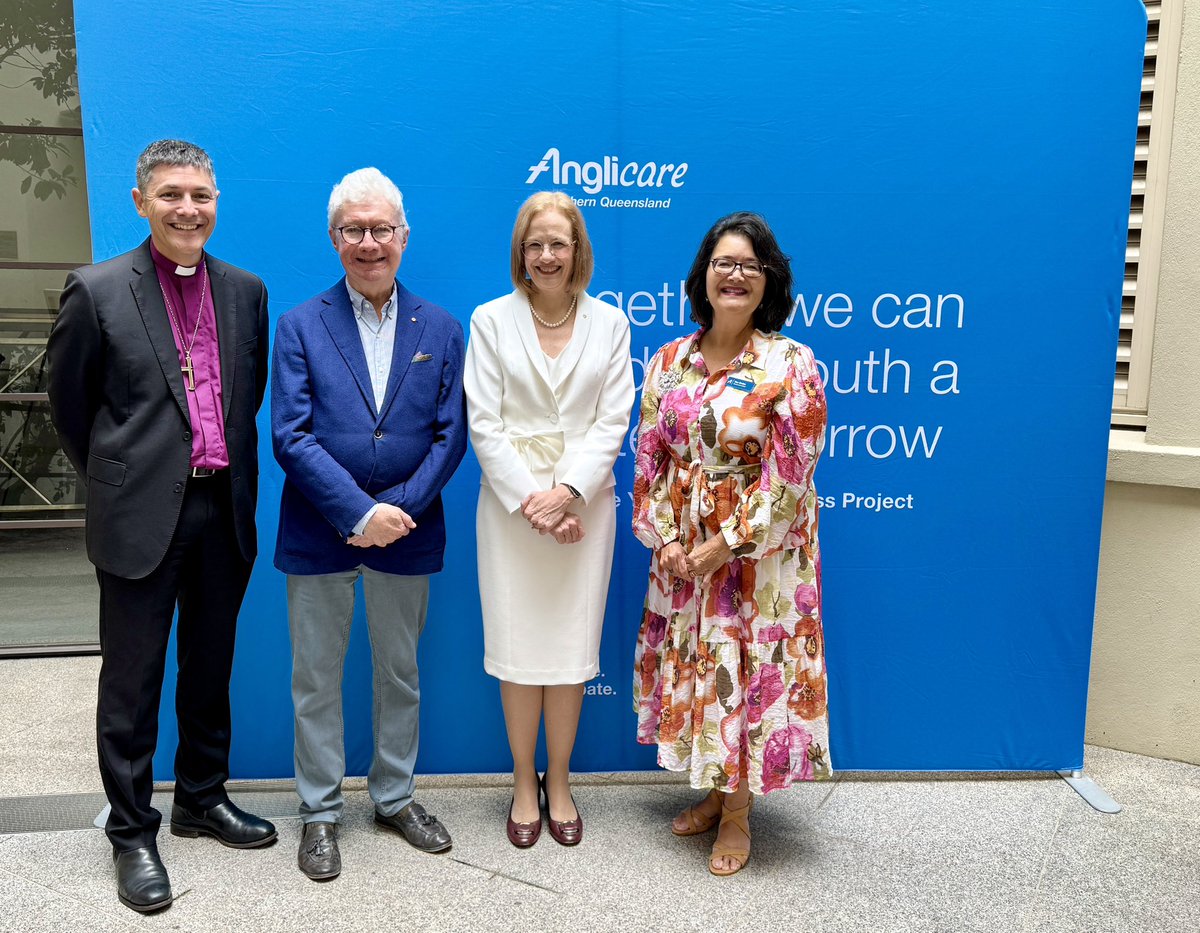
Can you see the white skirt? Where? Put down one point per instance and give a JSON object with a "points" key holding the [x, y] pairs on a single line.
{"points": [[543, 602]]}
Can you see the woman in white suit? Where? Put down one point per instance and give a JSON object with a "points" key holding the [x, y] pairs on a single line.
{"points": [[549, 390]]}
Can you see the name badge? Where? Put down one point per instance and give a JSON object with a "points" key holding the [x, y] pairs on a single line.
{"points": [[745, 385]]}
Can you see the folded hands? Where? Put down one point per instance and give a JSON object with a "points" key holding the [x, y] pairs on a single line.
{"points": [[697, 563], [547, 514]]}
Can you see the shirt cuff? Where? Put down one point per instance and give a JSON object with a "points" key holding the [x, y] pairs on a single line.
{"points": [[362, 522]]}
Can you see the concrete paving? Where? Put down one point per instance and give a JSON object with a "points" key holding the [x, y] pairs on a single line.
{"points": [[877, 852]]}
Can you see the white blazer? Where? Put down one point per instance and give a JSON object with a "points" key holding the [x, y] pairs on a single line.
{"points": [[530, 434]]}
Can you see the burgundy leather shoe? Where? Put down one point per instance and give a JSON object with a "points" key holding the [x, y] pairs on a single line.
{"points": [[523, 835], [565, 832]]}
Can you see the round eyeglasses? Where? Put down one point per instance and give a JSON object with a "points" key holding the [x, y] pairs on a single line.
{"points": [[380, 233], [558, 248], [751, 268]]}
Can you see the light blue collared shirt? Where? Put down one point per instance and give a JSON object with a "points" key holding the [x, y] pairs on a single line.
{"points": [[378, 336]]}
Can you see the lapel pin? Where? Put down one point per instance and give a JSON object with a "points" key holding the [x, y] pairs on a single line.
{"points": [[414, 320]]}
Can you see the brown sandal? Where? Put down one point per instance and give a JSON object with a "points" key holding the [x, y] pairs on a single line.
{"points": [[739, 817], [697, 822]]}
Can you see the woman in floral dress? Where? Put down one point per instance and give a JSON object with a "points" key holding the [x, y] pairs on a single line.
{"points": [[729, 678]]}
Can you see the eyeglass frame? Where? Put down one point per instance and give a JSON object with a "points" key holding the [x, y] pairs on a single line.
{"points": [[371, 230], [738, 266], [570, 244]]}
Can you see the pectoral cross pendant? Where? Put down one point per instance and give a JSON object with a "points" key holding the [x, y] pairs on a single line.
{"points": [[189, 370]]}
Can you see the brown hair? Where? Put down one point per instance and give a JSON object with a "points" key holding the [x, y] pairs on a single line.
{"points": [[581, 271]]}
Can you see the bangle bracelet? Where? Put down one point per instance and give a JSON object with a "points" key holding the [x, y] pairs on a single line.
{"points": [[573, 491]]}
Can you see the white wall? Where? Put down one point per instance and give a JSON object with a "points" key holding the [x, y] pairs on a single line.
{"points": [[1145, 683]]}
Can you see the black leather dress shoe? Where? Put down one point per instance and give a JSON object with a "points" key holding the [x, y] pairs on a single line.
{"points": [[142, 882], [422, 830], [224, 822], [318, 856]]}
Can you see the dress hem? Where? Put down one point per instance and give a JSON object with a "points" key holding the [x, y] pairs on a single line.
{"points": [[552, 678], [687, 769]]}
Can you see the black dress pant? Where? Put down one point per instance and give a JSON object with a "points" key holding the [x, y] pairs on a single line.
{"points": [[205, 574]]}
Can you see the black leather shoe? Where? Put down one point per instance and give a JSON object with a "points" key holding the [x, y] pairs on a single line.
{"points": [[422, 830], [142, 882], [224, 822], [318, 856]]}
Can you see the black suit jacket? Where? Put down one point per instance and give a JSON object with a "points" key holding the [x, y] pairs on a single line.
{"points": [[117, 401]]}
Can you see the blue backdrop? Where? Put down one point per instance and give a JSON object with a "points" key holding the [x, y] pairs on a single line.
{"points": [[952, 182]]}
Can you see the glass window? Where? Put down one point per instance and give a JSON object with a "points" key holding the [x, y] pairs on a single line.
{"points": [[48, 590], [39, 81], [53, 228]]}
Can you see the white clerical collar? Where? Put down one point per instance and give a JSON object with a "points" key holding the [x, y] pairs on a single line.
{"points": [[186, 271]]}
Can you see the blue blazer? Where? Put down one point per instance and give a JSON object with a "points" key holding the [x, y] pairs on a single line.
{"points": [[340, 455]]}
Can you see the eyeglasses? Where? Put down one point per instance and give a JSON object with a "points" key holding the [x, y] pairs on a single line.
{"points": [[534, 249], [751, 268], [380, 233]]}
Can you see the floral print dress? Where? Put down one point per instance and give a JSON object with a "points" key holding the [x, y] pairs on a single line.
{"points": [[732, 668]]}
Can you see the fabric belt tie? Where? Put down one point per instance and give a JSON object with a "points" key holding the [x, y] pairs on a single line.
{"points": [[540, 451], [697, 500]]}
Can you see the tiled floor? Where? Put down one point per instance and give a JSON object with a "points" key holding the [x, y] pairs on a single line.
{"points": [[866, 853]]}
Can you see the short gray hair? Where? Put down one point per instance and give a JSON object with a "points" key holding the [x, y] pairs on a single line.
{"points": [[172, 152], [365, 184]]}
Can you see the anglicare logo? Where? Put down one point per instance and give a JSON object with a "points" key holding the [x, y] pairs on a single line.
{"points": [[610, 172]]}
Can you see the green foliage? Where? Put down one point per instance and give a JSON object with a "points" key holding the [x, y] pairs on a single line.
{"points": [[37, 48], [29, 448]]}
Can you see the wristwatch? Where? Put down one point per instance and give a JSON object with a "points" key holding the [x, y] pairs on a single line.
{"points": [[573, 491]]}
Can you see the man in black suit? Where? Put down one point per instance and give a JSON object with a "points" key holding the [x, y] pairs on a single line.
{"points": [[158, 364]]}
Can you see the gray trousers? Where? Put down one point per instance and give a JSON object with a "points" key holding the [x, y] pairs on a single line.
{"points": [[320, 608]]}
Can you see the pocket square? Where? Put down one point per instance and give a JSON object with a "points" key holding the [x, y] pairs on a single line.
{"points": [[422, 357]]}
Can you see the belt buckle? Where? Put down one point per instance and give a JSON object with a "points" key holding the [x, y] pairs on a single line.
{"points": [[202, 472]]}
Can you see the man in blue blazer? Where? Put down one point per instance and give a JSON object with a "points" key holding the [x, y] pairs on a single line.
{"points": [[368, 423]]}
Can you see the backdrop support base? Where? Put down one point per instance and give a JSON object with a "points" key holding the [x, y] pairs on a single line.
{"points": [[1090, 791]]}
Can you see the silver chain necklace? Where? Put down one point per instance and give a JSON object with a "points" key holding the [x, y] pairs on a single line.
{"points": [[188, 369], [566, 317]]}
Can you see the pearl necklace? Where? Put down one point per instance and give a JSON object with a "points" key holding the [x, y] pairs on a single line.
{"points": [[566, 317]]}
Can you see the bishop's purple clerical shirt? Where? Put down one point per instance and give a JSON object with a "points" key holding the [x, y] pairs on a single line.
{"points": [[204, 404]]}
